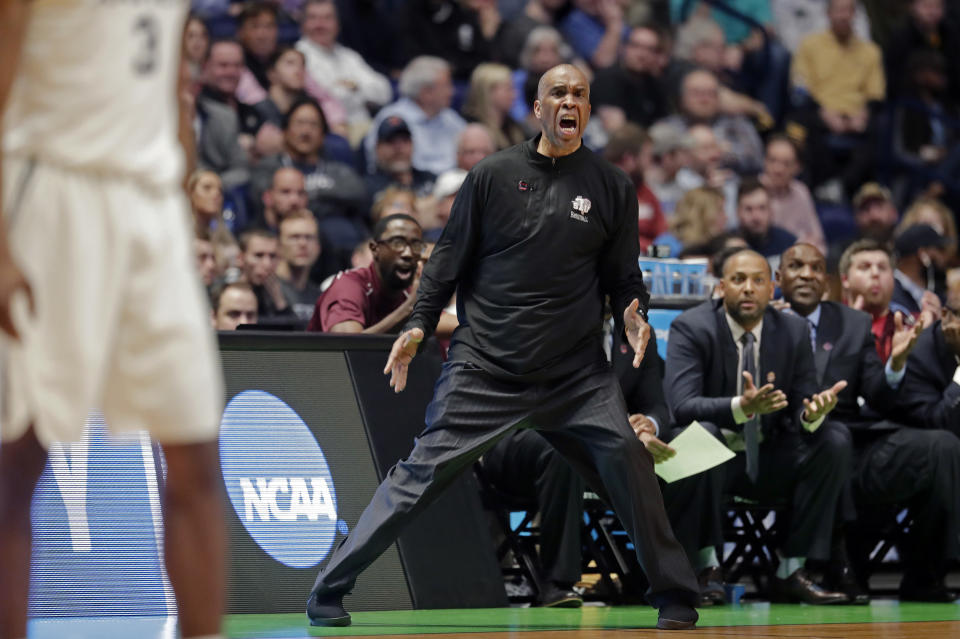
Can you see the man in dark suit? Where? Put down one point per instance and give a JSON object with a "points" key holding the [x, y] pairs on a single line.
{"points": [[526, 465], [931, 394], [894, 463], [717, 354]]}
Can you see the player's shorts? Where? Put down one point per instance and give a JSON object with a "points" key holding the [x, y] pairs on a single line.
{"points": [[121, 323]]}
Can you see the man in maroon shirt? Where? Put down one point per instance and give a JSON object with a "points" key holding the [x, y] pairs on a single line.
{"points": [[378, 298]]}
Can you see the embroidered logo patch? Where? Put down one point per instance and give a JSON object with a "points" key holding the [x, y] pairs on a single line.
{"points": [[581, 206]]}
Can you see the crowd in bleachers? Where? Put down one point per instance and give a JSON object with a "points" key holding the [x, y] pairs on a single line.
{"points": [[335, 134], [354, 110]]}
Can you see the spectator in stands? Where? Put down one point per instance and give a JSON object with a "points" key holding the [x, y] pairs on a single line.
{"points": [[794, 20], [700, 104], [631, 90], [233, 304], [595, 29], [925, 131], [446, 29], [394, 165], [671, 148], [299, 250], [444, 193], [206, 260], [287, 192], [875, 213], [934, 213], [473, 144], [196, 44], [257, 34], [341, 70], [515, 33], [335, 193], [285, 78], [927, 29], [698, 218], [718, 354], [218, 141], [489, 98], [756, 222], [921, 273], [260, 257], [837, 78], [701, 44], [629, 149], [394, 199], [221, 77], [790, 199], [206, 200], [426, 91], [706, 169], [895, 464], [866, 273], [376, 299]]}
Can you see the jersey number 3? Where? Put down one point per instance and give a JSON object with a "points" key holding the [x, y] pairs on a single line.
{"points": [[148, 32]]}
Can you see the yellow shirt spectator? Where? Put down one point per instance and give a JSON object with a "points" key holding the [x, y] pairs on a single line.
{"points": [[841, 77]]}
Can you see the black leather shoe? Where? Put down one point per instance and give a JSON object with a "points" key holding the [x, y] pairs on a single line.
{"points": [[841, 578], [677, 616], [711, 587], [934, 591], [327, 610], [799, 588], [556, 596]]}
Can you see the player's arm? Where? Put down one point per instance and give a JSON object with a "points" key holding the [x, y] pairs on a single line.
{"points": [[13, 26]]}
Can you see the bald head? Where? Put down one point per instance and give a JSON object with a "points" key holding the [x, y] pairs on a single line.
{"points": [[747, 287], [550, 76]]}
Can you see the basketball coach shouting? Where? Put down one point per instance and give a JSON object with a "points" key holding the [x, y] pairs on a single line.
{"points": [[538, 235]]}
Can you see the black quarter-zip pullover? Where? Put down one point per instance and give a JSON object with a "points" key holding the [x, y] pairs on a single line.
{"points": [[532, 245]]}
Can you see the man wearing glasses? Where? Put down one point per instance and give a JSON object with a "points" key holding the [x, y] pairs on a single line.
{"points": [[378, 298]]}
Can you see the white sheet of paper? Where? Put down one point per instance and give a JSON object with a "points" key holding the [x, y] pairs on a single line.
{"points": [[697, 451]]}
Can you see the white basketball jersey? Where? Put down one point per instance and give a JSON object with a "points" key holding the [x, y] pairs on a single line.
{"points": [[96, 88]]}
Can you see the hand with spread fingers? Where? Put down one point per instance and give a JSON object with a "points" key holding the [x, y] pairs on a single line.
{"points": [[904, 339], [638, 331], [821, 404], [403, 351], [760, 401]]}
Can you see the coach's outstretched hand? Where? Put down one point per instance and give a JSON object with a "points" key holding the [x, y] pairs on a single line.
{"points": [[403, 351], [11, 281], [638, 331]]}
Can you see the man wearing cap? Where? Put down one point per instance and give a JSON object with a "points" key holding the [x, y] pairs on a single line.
{"points": [[874, 212], [921, 270], [394, 166], [671, 147]]}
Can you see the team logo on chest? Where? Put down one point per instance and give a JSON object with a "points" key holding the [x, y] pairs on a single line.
{"points": [[581, 206]]}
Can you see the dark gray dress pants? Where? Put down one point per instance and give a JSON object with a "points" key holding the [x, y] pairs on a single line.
{"points": [[808, 471], [583, 416]]}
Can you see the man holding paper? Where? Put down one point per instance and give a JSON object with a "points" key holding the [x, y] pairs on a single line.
{"points": [[746, 372]]}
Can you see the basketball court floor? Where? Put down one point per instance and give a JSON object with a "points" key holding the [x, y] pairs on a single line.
{"points": [[885, 619]]}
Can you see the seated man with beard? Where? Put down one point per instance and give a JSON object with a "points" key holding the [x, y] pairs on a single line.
{"points": [[379, 297]]}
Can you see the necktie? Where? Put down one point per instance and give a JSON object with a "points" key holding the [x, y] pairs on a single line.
{"points": [[752, 428], [813, 335]]}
